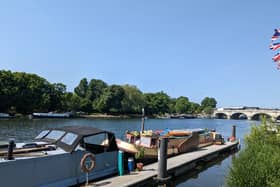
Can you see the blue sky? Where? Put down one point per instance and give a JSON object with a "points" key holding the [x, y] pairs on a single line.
{"points": [[194, 48]]}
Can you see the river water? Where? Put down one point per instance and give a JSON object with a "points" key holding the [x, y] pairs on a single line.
{"points": [[214, 175]]}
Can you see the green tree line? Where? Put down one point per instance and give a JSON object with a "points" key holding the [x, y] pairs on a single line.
{"points": [[26, 93]]}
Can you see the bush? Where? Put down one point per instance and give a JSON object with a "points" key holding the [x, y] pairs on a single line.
{"points": [[258, 165]]}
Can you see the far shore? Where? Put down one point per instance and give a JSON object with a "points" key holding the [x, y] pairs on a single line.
{"points": [[119, 116], [110, 116]]}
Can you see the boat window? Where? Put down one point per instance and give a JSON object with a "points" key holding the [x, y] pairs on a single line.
{"points": [[97, 143], [69, 138], [42, 134], [55, 134], [98, 139], [145, 141]]}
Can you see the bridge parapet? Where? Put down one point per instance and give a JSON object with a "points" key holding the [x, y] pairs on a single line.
{"points": [[250, 114]]}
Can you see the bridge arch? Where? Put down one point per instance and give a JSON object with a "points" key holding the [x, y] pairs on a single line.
{"points": [[258, 116], [277, 118], [221, 115], [239, 116]]}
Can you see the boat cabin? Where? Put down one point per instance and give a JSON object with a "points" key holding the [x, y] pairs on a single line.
{"points": [[54, 158], [72, 138]]}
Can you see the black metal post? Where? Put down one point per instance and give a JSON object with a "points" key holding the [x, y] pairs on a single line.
{"points": [[10, 150], [162, 163], [233, 131], [143, 120]]}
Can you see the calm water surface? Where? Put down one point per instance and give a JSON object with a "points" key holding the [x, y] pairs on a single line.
{"points": [[25, 130]]}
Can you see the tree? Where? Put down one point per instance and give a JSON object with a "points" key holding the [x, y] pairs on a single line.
{"points": [[7, 90], [57, 91], [111, 100], [74, 102], [133, 100], [194, 108], [171, 105], [95, 89], [81, 89], [182, 105], [26, 93], [157, 103], [209, 102], [86, 105]]}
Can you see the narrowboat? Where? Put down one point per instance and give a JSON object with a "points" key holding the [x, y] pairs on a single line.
{"points": [[50, 115], [145, 145]]}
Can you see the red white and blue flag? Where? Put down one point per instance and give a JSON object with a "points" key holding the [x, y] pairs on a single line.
{"points": [[276, 34], [276, 58], [274, 46]]}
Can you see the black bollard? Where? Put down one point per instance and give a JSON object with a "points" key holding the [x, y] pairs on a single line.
{"points": [[10, 150], [233, 131], [162, 163]]}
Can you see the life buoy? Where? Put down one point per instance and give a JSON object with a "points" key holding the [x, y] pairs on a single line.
{"points": [[85, 167]]}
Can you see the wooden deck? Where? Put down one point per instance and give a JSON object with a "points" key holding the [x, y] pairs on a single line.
{"points": [[176, 165]]}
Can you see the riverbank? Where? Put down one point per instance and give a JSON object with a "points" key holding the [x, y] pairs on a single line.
{"points": [[120, 116], [108, 116]]}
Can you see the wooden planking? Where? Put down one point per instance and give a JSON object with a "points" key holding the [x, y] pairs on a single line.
{"points": [[150, 171]]}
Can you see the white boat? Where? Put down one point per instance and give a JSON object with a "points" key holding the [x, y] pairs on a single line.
{"points": [[50, 115], [5, 115], [57, 157]]}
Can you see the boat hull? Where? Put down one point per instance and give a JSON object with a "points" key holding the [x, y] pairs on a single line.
{"points": [[176, 145], [50, 115], [55, 170]]}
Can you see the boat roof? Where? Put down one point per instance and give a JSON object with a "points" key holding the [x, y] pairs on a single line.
{"points": [[82, 130]]}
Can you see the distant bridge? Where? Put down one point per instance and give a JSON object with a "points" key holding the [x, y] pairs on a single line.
{"points": [[249, 113]]}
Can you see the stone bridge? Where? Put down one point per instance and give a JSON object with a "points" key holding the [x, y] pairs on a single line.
{"points": [[249, 113]]}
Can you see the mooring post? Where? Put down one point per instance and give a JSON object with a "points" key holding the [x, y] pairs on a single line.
{"points": [[234, 131], [162, 163], [143, 120], [10, 150], [233, 135]]}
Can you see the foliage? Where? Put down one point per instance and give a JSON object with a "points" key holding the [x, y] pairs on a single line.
{"points": [[110, 101], [258, 164], [140, 153], [133, 100], [209, 102], [95, 89], [182, 105], [156, 103], [194, 108], [26, 93], [171, 105], [81, 89]]}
